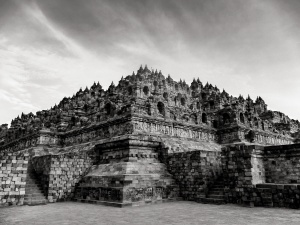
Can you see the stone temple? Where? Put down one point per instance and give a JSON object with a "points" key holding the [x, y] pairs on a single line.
{"points": [[151, 139]]}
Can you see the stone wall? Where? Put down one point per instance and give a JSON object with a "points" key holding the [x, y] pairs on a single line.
{"points": [[269, 195], [13, 172], [60, 174], [282, 164], [276, 195], [194, 171], [247, 168], [242, 167]]}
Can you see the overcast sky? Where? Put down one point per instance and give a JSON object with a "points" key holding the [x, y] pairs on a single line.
{"points": [[51, 48]]}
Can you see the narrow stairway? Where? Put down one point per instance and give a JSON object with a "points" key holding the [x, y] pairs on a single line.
{"points": [[33, 190], [215, 194]]}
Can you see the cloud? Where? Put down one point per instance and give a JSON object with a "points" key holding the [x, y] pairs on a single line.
{"points": [[49, 49]]}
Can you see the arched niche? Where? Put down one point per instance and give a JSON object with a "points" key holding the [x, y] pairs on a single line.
{"points": [[255, 122], [130, 90], [226, 118], [146, 90], [204, 118], [215, 124], [161, 108], [165, 95], [108, 108], [175, 100], [194, 118], [182, 100], [172, 116], [194, 94], [242, 119]]}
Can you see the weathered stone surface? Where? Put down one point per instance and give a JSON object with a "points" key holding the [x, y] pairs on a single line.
{"points": [[13, 172], [150, 139], [128, 172], [152, 103], [194, 171], [59, 174], [282, 164], [248, 171]]}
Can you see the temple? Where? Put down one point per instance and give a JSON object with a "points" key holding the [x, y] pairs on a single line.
{"points": [[151, 139]]}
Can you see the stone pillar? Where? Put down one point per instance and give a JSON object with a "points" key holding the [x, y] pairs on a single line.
{"points": [[257, 166]]}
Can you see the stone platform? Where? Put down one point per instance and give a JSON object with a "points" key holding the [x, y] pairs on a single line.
{"points": [[128, 172]]}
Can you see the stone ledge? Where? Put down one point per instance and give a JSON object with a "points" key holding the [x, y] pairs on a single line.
{"points": [[129, 204]]}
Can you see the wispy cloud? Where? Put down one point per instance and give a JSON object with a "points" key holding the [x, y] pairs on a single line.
{"points": [[49, 49]]}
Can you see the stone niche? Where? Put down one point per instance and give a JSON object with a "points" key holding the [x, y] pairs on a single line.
{"points": [[128, 172]]}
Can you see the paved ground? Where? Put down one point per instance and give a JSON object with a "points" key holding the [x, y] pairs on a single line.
{"points": [[166, 213]]}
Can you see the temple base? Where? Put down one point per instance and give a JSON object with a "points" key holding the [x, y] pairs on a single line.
{"points": [[129, 173]]}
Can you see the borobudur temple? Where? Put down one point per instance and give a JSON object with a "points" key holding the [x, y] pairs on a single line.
{"points": [[151, 139]]}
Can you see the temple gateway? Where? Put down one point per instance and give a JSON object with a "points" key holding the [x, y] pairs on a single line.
{"points": [[151, 139]]}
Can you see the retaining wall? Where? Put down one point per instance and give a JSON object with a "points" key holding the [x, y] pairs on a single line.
{"points": [[194, 171], [60, 174], [282, 164], [13, 172], [246, 169]]}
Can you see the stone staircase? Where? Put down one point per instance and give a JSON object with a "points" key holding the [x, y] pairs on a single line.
{"points": [[34, 194], [215, 194]]}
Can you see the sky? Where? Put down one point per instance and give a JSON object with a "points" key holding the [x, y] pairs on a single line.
{"points": [[50, 49]]}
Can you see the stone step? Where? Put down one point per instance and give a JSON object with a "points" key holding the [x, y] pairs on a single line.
{"points": [[30, 177], [215, 196], [218, 186], [30, 191], [28, 199], [32, 184], [219, 183], [36, 202], [29, 182], [33, 190], [33, 187], [216, 192], [34, 195], [267, 200], [212, 201], [216, 189], [41, 197]]}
